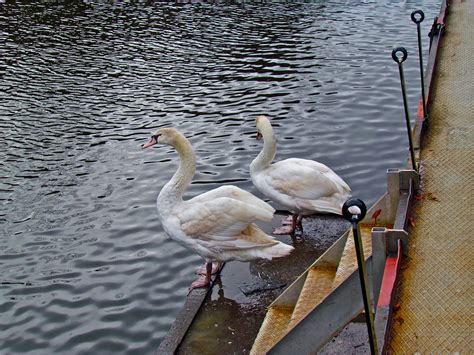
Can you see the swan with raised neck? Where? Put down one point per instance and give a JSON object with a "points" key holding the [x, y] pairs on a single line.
{"points": [[267, 154], [218, 224], [172, 193]]}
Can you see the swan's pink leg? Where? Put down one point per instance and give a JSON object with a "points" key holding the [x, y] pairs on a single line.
{"points": [[287, 229], [287, 220], [216, 267], [299, 222], [204, 280]]}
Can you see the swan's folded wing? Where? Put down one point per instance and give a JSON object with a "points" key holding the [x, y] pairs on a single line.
{"points": [[306, 181], [222, 221], [237, 193]]}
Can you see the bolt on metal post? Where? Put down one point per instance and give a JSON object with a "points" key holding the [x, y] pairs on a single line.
{"points": [[418, 21], [399, 60], [354, 211]]}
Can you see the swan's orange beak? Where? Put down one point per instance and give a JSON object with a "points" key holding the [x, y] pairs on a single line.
{"points": [[153, 140], [258, 136]]}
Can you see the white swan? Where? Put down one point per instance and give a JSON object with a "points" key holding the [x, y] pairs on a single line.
{"points": [[218, 224], [302, 186]]}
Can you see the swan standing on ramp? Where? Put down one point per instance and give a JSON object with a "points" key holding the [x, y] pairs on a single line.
{"points": [[218, 224], [302, 186]]}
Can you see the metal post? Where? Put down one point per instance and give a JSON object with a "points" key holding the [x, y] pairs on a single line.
{"points": [[354, 211], [434, 31], [399, 61], [420, 54]]}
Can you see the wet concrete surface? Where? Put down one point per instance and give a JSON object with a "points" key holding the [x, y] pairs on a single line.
{"points": [[234, 309], [353, 339]]}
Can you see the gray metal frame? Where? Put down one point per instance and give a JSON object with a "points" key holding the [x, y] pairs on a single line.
{"points": [[345, 302]]}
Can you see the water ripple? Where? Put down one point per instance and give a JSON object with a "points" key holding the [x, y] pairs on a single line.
{"points": [[86, 267]]}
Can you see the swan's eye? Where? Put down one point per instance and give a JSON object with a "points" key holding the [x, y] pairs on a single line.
{"points": [[155, 137]]}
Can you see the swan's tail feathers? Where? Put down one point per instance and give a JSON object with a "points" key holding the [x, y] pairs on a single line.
{"points": [[279, 250], [332, 204], [276, 249], [263, 245], [255, 235]]}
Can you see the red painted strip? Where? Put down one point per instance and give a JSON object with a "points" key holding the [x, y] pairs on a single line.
{"points": [[419, 112], [389, 278], [443, 11]]}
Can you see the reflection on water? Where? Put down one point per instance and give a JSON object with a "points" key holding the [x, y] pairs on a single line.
{"points": [[85, 264], [219, 323]]}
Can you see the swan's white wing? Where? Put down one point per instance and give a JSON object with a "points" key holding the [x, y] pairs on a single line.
{"points": [[320, 168], [222, 222], [305, 179], [234, 192]]}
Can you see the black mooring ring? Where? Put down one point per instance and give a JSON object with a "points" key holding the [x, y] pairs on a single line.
{"points": [[354, 217], [417, 12], [397, 58]]}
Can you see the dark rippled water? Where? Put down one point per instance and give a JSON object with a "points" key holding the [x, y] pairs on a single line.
{"points": [[85, 265]]}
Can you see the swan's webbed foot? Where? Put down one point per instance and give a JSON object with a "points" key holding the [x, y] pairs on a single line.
{"points": [[290, 224], [287, 221], [285, 230], [204, 280], [199, 283]]}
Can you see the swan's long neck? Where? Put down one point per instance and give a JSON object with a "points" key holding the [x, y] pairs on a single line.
{"points": [[173, 191], [266, 156]]}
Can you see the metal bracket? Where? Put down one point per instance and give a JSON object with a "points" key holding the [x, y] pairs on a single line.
{"points": [[393, 236], [407, 176], [400, 186], [399, 179], [385, 245]]}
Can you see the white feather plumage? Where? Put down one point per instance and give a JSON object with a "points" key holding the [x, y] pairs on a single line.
{"points": [[302, 186]]}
